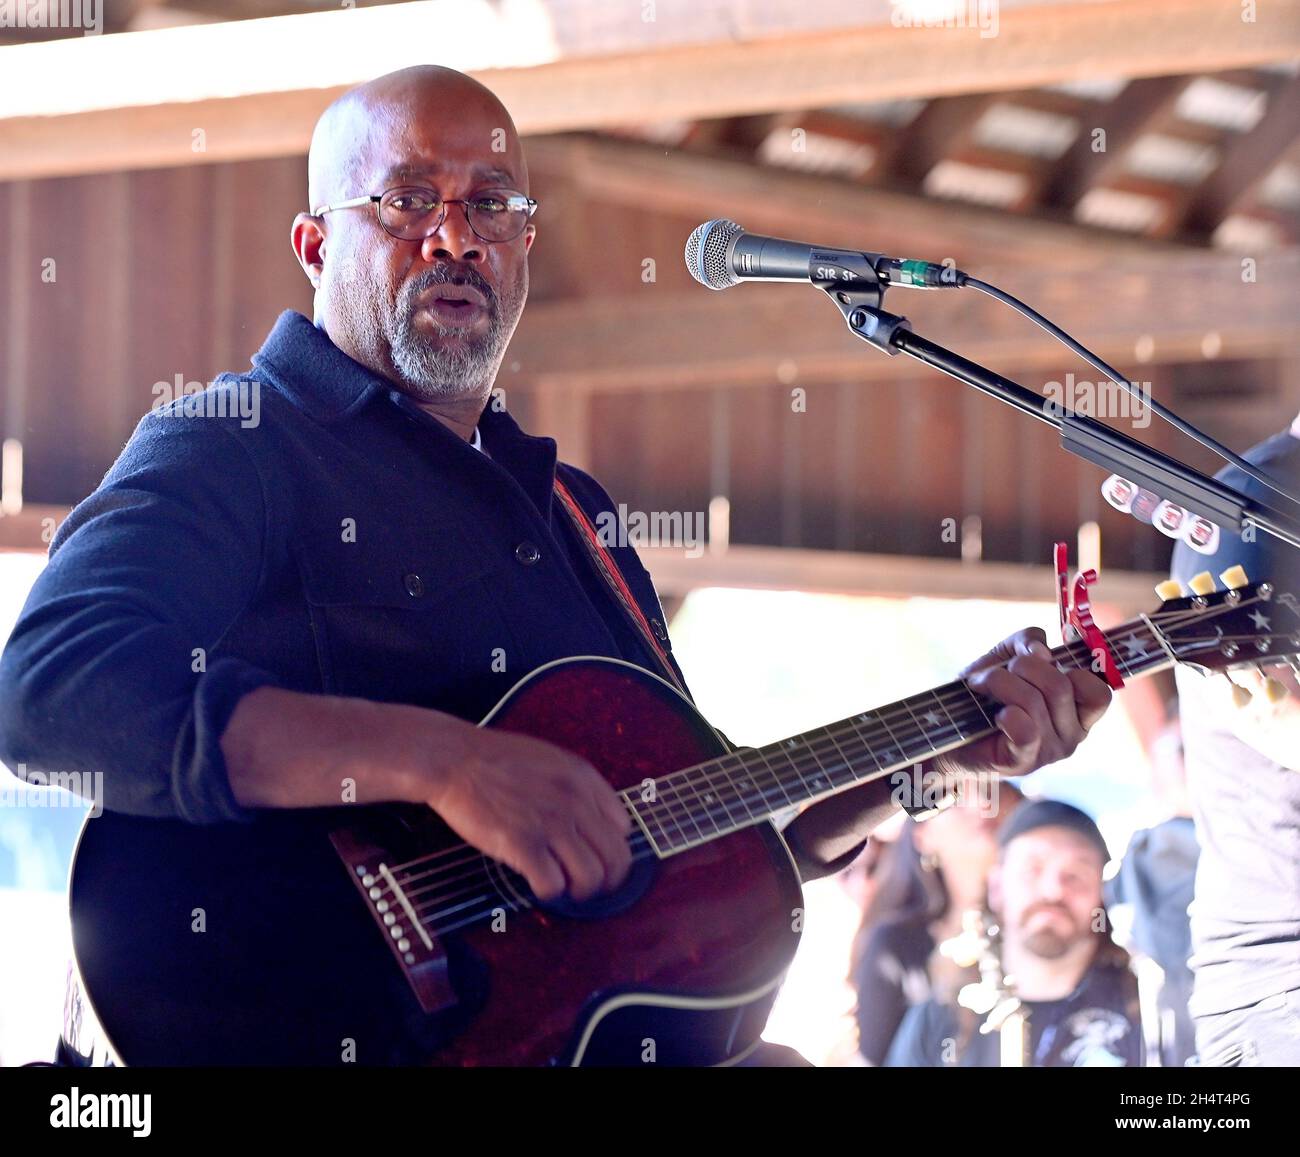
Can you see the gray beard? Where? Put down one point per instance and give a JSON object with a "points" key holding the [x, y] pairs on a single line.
{"points": [[466, 369]]}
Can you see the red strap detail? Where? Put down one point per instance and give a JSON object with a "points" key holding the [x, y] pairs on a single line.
{"points": [[614, 577]]}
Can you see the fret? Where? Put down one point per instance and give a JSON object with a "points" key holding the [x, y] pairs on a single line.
{"points": [[794, 767], [651, 813], [917, 724], [719, 794], [674, 787], [817, 784], [710, 793], [871, 751], [902, 751], [976, 700], [692, 810], [770, 771], [957, 731], [848, 763], [748, 783], [792, 744]]}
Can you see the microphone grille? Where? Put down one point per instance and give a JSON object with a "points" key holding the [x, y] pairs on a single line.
{"points": [[706, 253]]}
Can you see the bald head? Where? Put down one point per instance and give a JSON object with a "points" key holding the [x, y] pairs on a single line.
{"points": [[363, 129], [432, 314]]}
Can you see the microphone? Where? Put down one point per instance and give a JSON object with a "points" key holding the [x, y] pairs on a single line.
{"points": [[720, 254]]}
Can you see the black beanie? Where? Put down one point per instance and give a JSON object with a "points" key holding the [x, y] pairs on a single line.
{"points": [[1042, 813]]}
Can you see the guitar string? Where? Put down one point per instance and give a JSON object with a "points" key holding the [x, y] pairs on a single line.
{"points": [[437, 921], [670, 800], [971, 724], [956, 692], [1068, 651], [957, 689], [477, 878]]}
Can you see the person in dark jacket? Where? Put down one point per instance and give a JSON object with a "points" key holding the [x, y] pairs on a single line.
{"points": [[1056, 950], [315, 577]]}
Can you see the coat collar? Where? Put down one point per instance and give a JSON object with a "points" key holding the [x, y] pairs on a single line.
{"points": [[322, 381]]}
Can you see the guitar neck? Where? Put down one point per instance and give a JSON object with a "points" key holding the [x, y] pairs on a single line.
{"points": [[751, 785]]}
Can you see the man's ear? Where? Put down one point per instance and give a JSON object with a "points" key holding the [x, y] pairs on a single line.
{"points": [[530, 233], [308, 239]]}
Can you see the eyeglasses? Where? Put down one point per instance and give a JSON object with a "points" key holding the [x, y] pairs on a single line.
{"points": [[412, 212]]}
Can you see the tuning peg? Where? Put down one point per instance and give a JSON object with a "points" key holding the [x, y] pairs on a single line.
{"points": [[1202, 584], [1169, 589], [1275, 690], [1234, 578], [1240, 695]]}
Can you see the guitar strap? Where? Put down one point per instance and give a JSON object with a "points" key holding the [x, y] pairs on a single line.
{"points": [[609, 570]]}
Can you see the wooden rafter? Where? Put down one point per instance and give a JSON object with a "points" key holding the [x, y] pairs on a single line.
{"points": [[942, 127], [1246, 162], [765, 199], [608, 72], [1106, 136]]}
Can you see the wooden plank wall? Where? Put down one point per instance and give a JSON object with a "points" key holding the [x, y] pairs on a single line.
{"points": [[182, 271]]}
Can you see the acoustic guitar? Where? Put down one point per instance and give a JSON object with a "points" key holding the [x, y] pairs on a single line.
{"points": [[374, 935]]}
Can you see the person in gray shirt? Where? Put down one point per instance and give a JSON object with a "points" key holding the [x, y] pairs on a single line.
{"points": [[1243, 773]]}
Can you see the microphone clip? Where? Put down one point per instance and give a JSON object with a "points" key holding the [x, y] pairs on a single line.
{"points": [[861, 309]]}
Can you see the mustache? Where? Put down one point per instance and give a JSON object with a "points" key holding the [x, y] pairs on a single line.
{"points": [[1060, 908], [446, 275]]}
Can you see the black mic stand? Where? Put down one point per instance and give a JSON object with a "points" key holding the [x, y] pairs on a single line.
{"points": [[1087, 438]]}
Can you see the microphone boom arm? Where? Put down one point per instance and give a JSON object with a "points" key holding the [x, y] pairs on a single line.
{"points": [[1084, 437]]}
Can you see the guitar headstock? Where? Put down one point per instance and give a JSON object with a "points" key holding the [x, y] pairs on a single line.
{"points": [[1243, 625]]}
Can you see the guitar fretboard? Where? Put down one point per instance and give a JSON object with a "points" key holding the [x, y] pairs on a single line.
{"points": [[745, 787]]}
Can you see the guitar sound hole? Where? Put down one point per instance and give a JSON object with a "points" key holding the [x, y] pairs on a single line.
{"points": [[607, 903]]}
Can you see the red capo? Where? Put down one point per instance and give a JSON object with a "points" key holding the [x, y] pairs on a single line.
{"points": [[1076, 615]]}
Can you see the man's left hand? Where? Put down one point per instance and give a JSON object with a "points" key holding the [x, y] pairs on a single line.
{"points": [[1045, 715]]}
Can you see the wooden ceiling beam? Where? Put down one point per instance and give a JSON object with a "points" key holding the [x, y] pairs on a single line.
{"points": [[697, 59], [943, 127], [1113, 127], [671, 338], [1245, 162], [785, 203]]}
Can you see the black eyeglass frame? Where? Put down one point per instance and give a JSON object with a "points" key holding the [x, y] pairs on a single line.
{"points": [[513, 200]]}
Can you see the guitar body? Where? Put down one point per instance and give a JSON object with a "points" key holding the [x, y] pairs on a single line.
{"points": [[251, 944]]}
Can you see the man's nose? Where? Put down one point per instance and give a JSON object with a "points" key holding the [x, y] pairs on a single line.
{"points": [[454, 240], [1050, 887]]}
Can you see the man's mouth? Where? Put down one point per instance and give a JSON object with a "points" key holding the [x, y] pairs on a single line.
{"points": [[459, 305], [1050, 910]]}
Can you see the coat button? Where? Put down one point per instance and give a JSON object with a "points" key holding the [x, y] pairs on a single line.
{"points": [[414, 585], [527, 553], [660, 631]]}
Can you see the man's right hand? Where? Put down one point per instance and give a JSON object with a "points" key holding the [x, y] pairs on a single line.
{"points": [[539, 809]]}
